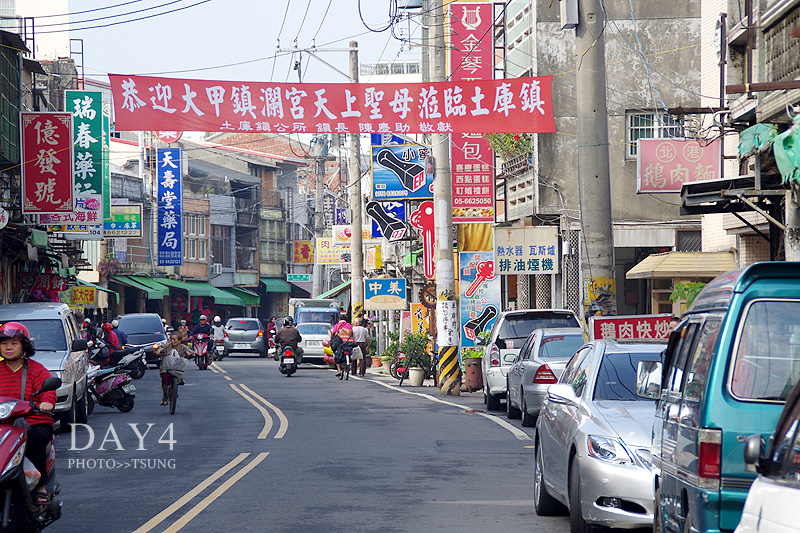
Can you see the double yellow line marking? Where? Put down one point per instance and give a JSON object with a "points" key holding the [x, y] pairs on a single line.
{"points": [[205, 502], [251, 397]]}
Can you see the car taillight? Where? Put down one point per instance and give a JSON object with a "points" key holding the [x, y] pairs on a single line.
{"points": [[155, 346], [226, 334], [710, 457], [544, 375], [260, 333], [494, 356]]}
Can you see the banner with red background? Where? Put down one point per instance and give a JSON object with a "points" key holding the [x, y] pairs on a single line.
{"points": [[47, 167]]}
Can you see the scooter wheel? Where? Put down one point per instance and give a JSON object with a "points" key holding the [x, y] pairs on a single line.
{"points": [[126, 404]]}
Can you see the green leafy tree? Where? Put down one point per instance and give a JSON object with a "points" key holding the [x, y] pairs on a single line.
{"points": [[686, 291]]}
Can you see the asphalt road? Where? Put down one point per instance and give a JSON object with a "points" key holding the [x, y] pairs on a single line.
{"points": [[253, 451]]}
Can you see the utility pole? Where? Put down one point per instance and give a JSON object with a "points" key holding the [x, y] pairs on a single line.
{"points": [[356, 250], [319, 222], [594, 182], [447, 325]]}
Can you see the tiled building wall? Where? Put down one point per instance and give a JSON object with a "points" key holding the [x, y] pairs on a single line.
{"points": [[752, 249]]}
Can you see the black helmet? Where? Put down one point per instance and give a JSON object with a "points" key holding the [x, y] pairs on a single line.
{"points": [[288, 322]]}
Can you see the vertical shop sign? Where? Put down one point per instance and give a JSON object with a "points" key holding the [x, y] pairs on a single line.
{"points": [[47, 177], [471, 51], [106, 162], [480, 294], [87, 118], [170, 203]]}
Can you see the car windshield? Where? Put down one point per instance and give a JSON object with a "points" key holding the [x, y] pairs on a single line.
{"points": [[616, 379], [560, 345], [142, 329], [327, 317], [47, 335], [314, 329], [519, 326], [242, 325]]}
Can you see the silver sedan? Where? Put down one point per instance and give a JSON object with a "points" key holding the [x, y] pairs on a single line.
{"points": [[538, 365], [592, 440]]}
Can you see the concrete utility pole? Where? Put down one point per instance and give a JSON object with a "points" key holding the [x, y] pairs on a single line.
{"points": [[356, 250], [447, 325], [597, 259], [319, 224]]}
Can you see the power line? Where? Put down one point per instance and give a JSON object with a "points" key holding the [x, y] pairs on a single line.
{"points": [[88, 10], [107, 17], [126, 21], [323, 19], [280, 31]]}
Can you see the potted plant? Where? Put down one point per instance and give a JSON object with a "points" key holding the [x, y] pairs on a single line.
{"points": [[473, 375], [391, 351]]}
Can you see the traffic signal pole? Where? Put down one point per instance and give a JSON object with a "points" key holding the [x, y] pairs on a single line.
{"points": [[447, 326]]}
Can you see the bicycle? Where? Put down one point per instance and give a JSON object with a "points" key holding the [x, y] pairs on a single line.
{"points": [[345, 373], [430, 368], [172, 394]]}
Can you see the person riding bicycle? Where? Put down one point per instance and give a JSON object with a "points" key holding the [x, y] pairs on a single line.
{"points": [[345, 349], [17, 348], [289, 336], [205, 328], [182, 350]]}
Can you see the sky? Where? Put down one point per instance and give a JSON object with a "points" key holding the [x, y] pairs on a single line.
{"points": [[197, 41]]}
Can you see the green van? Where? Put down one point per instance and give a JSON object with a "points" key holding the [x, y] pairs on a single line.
{"points": [[727, 371]]}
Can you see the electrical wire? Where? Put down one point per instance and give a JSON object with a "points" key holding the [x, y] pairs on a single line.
{"points": [[324, 16], [278, 39], [302, 22], [127, 21], [88, 10], [392, 15], [107, 17]]}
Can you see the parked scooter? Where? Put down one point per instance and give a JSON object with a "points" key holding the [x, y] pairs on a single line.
{"points": [[288, 365], [18, 512], [112, 387], [272, 351], [219, 347], [200, 344], [99, 355]]}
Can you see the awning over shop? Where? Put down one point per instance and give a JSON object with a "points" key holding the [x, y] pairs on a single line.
{"points": [[199, 288], [248, 297], [153, 290], [306, 286], [334, 292], [276, 285], [683, 265], [99, 288]]}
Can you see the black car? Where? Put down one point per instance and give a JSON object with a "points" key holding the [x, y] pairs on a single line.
{"points": [[144, 329]]}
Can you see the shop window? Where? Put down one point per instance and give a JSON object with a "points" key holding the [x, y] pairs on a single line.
{"points": [[649, 126]]}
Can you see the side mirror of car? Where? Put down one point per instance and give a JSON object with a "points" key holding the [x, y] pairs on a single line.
{"points": [[648, 379], [79, 345], [752, 453], [561, 393]]}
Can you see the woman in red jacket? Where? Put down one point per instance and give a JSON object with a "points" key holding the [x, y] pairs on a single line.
{"points": [[17, 349]]}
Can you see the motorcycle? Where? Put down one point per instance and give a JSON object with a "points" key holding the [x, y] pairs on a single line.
{"points": [[112, 387], [288, 365], [219, 346], [99, 354], [18, 511], [200, 344], [272, 351]]}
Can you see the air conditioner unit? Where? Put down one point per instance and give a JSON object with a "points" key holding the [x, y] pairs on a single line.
{"points": [[216, 269]]}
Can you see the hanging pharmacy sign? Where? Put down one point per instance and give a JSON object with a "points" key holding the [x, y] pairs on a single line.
{"points": [[170, 204], [527, 250], [476, 106]]}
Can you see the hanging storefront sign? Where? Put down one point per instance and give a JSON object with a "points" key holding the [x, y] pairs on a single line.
{"points": [[472, 160], [121, 249], [480, 294], [664, 165], [388, 219], [106, 161], [47, 164], [126, 221], [633, 327], [420, 318], [422, 219], [398, 172], [528, 250], [385, 293], [83, 295], [327, 253], [478, 106], [343, 235], [373, 256], [328, 209], [303, 252], [170, 204], [87, 118]]}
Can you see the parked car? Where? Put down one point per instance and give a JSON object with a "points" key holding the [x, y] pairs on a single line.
{"points": [[314, 334], [729, 367], [592, 440], [511, 329], [774, 497], [144, 330], [245, 335], [538, 365], [59, 347]]}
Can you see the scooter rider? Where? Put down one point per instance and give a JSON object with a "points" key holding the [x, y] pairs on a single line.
{"points": [[289, 336], [19, 372], [219, 331], [122, 337], [204, 327]]}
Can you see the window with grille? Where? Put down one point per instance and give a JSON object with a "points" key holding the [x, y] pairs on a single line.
{"points": [[649, 126], [221, 245], [195, 237]]}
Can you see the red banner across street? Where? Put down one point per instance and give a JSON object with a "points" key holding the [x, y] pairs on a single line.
{"points": [[482, 106], [47, 167]]}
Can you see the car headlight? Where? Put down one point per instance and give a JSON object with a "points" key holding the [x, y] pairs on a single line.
{"points": [[645, 456], [607, 449], [6, 408]]}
